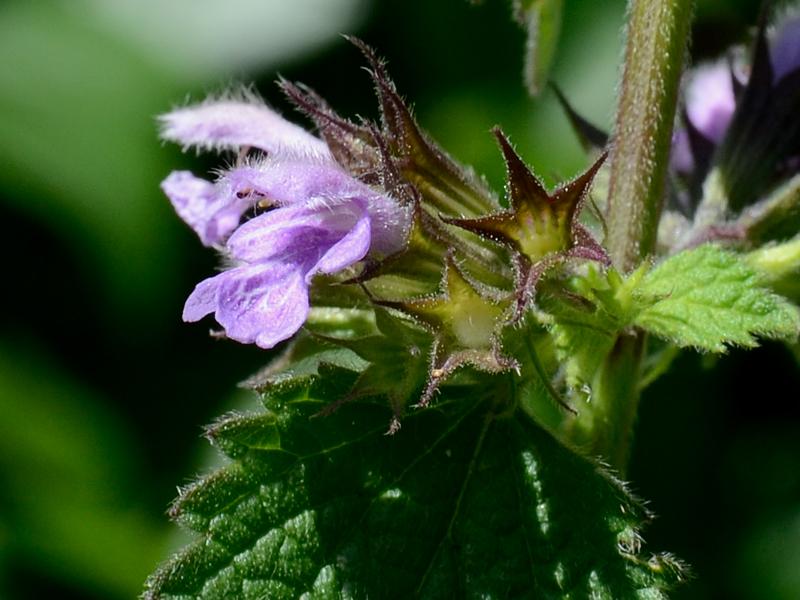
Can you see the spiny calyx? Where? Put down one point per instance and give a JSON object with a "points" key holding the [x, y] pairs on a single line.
{"points": [[465, 319], [538, 223]]}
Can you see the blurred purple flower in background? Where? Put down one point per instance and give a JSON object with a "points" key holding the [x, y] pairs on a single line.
{"points": [[712, 91], [320, 218], [709, 104]]}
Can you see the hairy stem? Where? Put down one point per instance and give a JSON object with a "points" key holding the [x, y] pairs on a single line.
{"points": [[655, 51], [605, 428], [654, 55]]}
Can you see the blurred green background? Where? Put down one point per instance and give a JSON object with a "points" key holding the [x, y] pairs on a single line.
{"points": [[103, 391]]}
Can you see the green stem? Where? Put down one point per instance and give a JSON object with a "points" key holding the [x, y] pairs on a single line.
{"points": [[654, 55], [607, 428], [655, 51]]}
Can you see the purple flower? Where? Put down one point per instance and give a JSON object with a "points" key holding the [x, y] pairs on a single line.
{"points": [[710, 100], [732, 108], [211, 210], [236, 122], [324, 220], [710, 103], [710, 96]]}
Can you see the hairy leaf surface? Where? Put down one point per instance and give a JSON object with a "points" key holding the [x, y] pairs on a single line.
{"points": [[470, 499], [709, 298]]}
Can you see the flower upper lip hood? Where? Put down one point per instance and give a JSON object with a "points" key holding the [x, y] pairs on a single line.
{"points": [[238, 121], [322, 219]]}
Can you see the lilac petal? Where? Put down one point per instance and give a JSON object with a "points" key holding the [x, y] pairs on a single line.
{"points": [[347, 251], [190, 197], [232, 124], [389, 224], [203, 300], [211, 210], [292, 182], [785, 47], [264, 303], [300, 230], [710, 100]]}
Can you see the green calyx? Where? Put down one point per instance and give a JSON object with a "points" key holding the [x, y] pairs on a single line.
{"points": [[468, 271], [538, 223], [465, 324], [462, 315], [499, 290]]}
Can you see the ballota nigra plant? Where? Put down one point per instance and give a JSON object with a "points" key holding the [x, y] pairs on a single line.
{"points": [[455, 400]]}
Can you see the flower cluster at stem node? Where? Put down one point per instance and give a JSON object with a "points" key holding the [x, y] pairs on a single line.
{"points": [[375, 217]]}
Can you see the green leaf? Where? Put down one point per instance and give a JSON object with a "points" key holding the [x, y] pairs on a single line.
{"points": [[302, 363], [542, 21], [709, 299], [469, 499]]}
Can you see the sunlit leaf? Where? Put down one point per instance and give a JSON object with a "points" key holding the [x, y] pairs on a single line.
{"points": [[709, 298], [469, 499]]}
